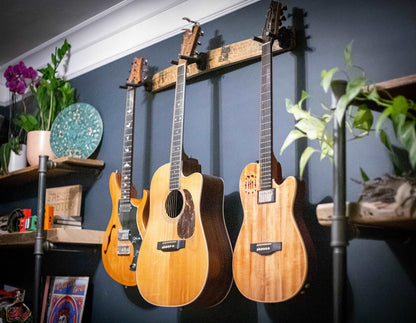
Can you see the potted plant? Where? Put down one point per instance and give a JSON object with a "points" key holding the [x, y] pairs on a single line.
{"points": [[398, 188], [53, 93], [19, 78]]}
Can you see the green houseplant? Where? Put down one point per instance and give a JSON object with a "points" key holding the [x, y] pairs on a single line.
{"points": [[19, 78], [359, 119], [53, 93]]}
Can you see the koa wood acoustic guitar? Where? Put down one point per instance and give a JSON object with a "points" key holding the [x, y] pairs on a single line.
{"points": [[186, 255], [270, 259], [124, 233]]}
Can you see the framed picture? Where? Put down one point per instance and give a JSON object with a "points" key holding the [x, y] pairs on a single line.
{"points": [[64, 299]]}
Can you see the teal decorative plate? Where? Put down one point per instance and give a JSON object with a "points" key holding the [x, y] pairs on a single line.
{"points": [[76, 131]]}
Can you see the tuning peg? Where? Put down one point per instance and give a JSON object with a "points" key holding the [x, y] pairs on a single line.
{"points": [[196, 52], [202, 33], [284, 8], [198, 42], [283, 18]]}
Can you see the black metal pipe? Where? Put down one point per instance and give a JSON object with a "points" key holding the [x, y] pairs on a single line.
{"points": [[339, 239], [39, 238]]}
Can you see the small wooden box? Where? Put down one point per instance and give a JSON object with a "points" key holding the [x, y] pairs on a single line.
{"points": [[66, 200]]}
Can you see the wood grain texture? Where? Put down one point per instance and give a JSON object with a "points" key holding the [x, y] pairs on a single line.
{"points": [[281, 275], [201, 272], [217, 58], [118, 267]]}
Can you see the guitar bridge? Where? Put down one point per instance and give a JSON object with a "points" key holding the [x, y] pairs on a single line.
{"points": [[171, 245], [123, 234], [266, 248], [123, 250]]}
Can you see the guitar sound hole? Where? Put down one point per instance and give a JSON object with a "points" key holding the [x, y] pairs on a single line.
{"points": [[174, 203]]}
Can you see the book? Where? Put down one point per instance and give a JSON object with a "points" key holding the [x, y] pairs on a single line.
{"points": [[66, 203], [67, 297]]}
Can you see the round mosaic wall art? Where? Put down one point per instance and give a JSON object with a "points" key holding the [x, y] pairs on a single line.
{"points": [[76, 131]]}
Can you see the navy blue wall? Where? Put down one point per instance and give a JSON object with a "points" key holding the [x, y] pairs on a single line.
{"points": [[221, 131]]}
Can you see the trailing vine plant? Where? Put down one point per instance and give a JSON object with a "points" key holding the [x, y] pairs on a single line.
{"points": [[359, 96]]}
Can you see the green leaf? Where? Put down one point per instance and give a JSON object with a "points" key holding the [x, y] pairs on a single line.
{"points": [[385, 140], [304, 158], [4, 157], [400, 105], [412, 154], [313, 127], [341, 107], [382, 117], [295, 109], [305, 95], [354, 87], [327, 149], [364, 175], [407, 135], [363, 119], [326, 78], [291, 137], [347, 55], [326, 118], [373, 95], [53, 58]]}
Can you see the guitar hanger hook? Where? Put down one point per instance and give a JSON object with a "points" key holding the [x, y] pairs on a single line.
{"points": [[191, 21]]}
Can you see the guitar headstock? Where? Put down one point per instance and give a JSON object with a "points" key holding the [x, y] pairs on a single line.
{"points": [[274, 18], [190, 41], [139, 72]]}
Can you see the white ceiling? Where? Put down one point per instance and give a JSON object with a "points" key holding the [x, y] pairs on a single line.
{"points": [[25, 25], [100, 31]]}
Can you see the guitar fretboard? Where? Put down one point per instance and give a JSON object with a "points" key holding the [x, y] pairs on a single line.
{"points": [[177, 130], [266, 118], [126, 170]]}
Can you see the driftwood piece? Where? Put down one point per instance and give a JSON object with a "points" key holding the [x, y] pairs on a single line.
{"points": [[378, 214]]}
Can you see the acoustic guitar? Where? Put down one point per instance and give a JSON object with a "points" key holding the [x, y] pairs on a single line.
{"points": [[186, 254], [270, 260], [123, 237]]}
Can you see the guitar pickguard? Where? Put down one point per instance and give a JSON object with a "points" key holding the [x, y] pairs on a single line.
{"points": [[186, 224], [129, 232]]}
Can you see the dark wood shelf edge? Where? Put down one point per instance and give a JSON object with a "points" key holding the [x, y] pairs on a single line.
{"points": [[56, 236], [58, 167]]}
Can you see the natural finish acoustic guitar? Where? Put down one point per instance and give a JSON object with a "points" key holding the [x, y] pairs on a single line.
{"points": [[186, 254], [123, 237], [270, 260]]}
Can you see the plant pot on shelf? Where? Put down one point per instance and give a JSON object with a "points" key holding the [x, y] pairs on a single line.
{"points": [[38, 143], [18, 161]]}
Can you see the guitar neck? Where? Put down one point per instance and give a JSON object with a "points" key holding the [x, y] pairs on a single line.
{"points": [[266, 118], [126, 171], [177, 129]]}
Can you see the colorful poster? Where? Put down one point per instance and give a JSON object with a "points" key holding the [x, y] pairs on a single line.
{"points": [[67, 299]]}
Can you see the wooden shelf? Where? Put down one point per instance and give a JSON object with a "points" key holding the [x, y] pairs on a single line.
{"points": [[400, 86], [58, 167], [370, 214], [59, 235]]}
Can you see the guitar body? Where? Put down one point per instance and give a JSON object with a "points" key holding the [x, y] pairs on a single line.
{"points": [[278, 276], [119, 267], [198, 271]]}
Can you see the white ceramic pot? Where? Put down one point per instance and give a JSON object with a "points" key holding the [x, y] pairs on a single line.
{"points": [[38, 143], [17, 161]]}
